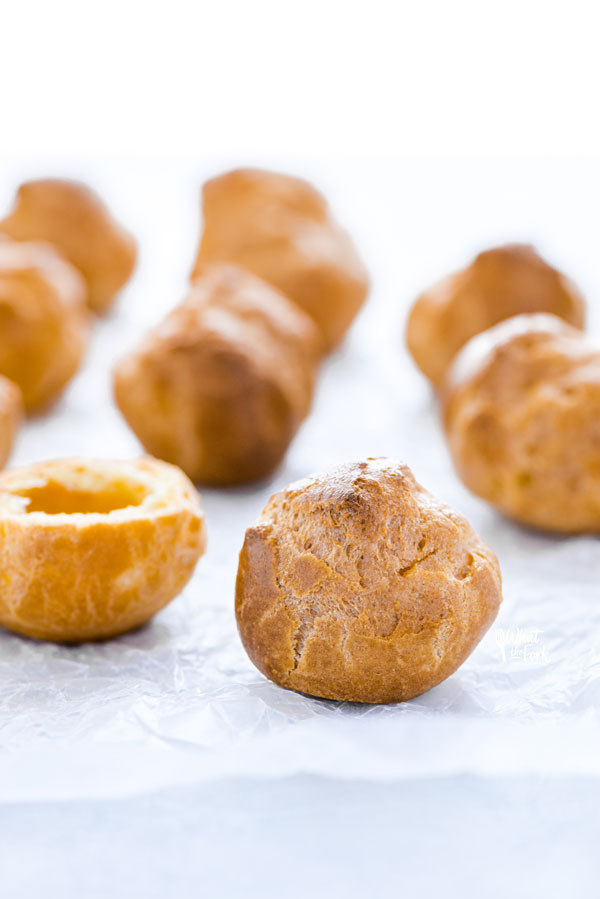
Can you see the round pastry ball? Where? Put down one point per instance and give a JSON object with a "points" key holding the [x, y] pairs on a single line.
{"points": [[94, 548], [499, 283], [280, 228], [360, 585], [76, 220], [521, 408], [44, 321], [11, 413], [221, 386]]}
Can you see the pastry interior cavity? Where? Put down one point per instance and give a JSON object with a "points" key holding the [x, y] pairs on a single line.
{"points": [[82, 491], [54, 498]]}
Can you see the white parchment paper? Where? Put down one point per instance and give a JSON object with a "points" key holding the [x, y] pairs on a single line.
{"points": [[178, 701]]}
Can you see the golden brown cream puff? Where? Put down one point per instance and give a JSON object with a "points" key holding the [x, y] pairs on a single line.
{"points": [[521, 408], [44, 321], [360, 585], [280, 228], [74, 218], [223, 384], [499, 283]]}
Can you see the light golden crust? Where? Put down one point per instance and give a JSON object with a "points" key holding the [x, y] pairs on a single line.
{"points": [[11, 414], [74, 219], [360, 585], [44, 322], [499, 283], [521, 409], [92, 549], [223, 384], [280, 228]]}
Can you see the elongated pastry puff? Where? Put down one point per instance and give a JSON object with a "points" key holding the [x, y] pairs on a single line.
{"points": [[281, 229], [75, 219], [11, 413], [521, 408], [223, 384], [498, 284], [360, 585], [44, 321], [91, 548]]}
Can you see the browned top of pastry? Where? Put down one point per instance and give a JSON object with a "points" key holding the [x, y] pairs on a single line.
{"points": [[500, 283], [243, 309], [271, 196], [359, 584], [515, 355]]}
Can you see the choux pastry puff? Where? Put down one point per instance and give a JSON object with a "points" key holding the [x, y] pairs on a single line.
{"points": [[281, 229], [44, 321], [521, 410], [91, 549], [11, 413], [499, 283], [221, 386], [358, 584], [75, 219]]}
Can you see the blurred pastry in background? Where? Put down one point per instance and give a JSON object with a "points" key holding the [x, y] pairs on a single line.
{"points": [[221, 386], [359, 585], [44, 320], [75, 219], [93, 548], [499, 283], [11, 413], [521, 411], [280, 229]]}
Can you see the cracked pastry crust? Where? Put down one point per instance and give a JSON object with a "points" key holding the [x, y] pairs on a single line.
{"points": [[74, 219], [44, 322], [280, 228], [91, 549], [499, 283], [360, 585], [521, 411], [11, 414], [221, 386]]}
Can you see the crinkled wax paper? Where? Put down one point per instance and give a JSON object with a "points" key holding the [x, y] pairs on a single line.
{"points": [[179, 701]]}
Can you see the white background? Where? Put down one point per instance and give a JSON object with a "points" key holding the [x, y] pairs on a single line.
{"points": [[163, 764]]}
